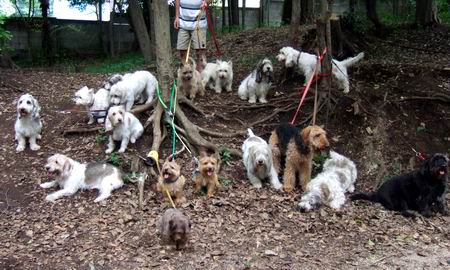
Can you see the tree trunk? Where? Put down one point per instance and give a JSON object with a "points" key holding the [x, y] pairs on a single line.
{"points": [[323, 30], [112, 51], [261, 13], [230, 21], [371, 10], [223, 15], [307, 11], [396, 7], [243, 13], [152, 26], [351, 6], [141, 30], [295, 22], [235, 13], [286, 15], [426, 13], [46, 39]]}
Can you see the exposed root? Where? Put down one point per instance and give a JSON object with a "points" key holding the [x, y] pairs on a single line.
{"points": [[219, 134], [177, 152], [81, 130], [275, 113], [190, 104], [435, 97], [144, 107]]}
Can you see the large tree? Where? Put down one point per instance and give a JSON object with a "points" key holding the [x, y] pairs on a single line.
{"points": [[295, 22], [140, 29], [46, 39], [426, 13]]}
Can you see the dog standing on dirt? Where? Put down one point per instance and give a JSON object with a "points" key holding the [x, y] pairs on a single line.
{"points": [[257, 84], [258, 161], [138, 86], [218, 76], [306, 63], [297, 149], [174, 228], [189, 80], [71, 176], [95, 103], [171, 180], [125, 128], [329, 187], [420, 190], [207, 175], [28, 123]]}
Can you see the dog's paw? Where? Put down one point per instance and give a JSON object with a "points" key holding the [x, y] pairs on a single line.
{"points": [[346, 91], [91, 121], [50, 198], [39, 136], [46, 185], [263, 100], [252, 100], [277, 186], [34, 147], [257, 185], [109, 151], [122, 150], [288, 189], [132, 140], [20, 148]]}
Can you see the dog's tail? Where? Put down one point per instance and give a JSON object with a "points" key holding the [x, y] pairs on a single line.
{"points": [[242, 93], [364, 196], [353, 60], [250, 133]]}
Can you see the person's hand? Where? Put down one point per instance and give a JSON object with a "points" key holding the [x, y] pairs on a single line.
{"points": [[176, 23]]}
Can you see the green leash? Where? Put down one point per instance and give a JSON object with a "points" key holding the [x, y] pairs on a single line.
{"points": [[170, 112]]}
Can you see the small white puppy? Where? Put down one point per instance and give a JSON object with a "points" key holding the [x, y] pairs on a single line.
{"points": [[125, 127], [258, 83], [72, 176], [329, 187], [28, 124], [258, 161], [218, 76], [140, 85], [96, 104], [306, 63]]}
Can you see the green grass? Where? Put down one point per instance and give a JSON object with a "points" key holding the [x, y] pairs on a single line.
{"points": [[126, 63]]}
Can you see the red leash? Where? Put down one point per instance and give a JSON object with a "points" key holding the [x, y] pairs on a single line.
{"points": [[308, 85], [213, 33]]}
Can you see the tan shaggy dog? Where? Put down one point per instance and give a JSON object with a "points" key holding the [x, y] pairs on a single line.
{"points": [[207, 177], [170, 179], [189, 80], [297, 148]]}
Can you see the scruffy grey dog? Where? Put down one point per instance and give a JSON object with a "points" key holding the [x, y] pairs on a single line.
{"points": [[112, 80], [28, 124], [174, 228], [258, 83], [189, 80]]}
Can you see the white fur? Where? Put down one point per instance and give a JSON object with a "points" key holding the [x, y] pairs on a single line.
{"points": [[125, 127], [218, 76], [258, 161], [140, 85], [306, 63], [251, 89], [338, 176], [28, 123], [92, 101], [70, 176]]}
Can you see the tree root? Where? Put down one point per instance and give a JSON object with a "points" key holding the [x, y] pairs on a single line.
{"points": [[435, 97], [190, 104], [219, 134], [275, 113], [81, 130]]}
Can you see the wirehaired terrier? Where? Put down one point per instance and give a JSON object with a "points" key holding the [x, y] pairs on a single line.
{"points": [[207, 176], [297, 149], [28, 123], [257, 84], [170, 180], [218, 76], [174, 228], [189, 80]]}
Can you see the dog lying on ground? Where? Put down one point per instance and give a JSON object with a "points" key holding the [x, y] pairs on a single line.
{"points": [[306, 63], [140, 85], [207, 176], [297, 149], [419, 190], [256, 85], [218, 76], [95, 103], [170, 179], [72, 176], [329, 187], [189, 80], [258, 161], [28, 123], [125, 128], [174, 228]]}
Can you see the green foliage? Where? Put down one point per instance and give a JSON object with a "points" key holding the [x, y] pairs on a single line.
{"points": [[443, 10], [115, 160], [5, 36], [128, 62], [225, 181], [131, 177], [358, 22], [225, 156], [102, 137], [248, 264]]}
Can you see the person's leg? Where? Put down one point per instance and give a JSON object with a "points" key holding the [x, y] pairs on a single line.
{"points": [[199, 44], [183, 43], [200, 59]]}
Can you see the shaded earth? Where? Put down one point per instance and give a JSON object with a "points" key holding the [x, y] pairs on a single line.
{"points": [[399, 99]]}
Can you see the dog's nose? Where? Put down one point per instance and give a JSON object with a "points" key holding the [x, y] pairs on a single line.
{"points": [[119, 120], [47, 168], [260, 162], [22, 110]]}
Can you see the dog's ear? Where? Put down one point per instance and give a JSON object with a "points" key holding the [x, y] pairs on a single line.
{"points": [[203, 154], [271, 77], [67, 168], [91, 90], [218, 61], [108, 124], [425, 168], [305, 134], [172, 225], [259, 68], [36, 108], [230, 63]]}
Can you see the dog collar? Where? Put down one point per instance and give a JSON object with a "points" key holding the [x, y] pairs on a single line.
{"points": [[298, 57], [170, 181]]}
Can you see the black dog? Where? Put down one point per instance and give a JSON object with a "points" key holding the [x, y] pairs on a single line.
{"points": [[419, 190]]}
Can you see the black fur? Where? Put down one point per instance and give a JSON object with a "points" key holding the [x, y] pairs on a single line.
{"points": [[285, 133], [259, 68], [420, 190]]}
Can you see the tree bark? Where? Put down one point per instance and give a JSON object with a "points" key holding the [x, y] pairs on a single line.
{"points": [[141, 30], [295, 22], [112, 51], [235, 13], [223, 15], [371, 10], [351, 6], [323, 30], [286, 15], [152, 26], [426, 13], [307, 11], [243, 13], [46, 39]]}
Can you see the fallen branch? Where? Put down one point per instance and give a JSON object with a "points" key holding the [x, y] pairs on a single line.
{"points": [[144, 107], [436, 97], [275, 113], [220, 134], [81, 130]]}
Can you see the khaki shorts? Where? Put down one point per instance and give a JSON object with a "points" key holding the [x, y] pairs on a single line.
{"points": [[185, 35]]}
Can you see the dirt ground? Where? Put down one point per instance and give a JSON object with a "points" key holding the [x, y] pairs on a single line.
{"points": [[241, 228]]}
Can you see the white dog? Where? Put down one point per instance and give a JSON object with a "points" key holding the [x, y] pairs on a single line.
{"points": [[140, 85], [306, 63], [258, 161], [96, 104], [72, 176], [329, 187], [257, 84], [218, 76], [125, 127], [28, 123]]}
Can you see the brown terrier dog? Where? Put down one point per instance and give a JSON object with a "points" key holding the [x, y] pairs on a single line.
{"points": [[297, 149], [174, 228], [189, 80], [207, 177], [170, 179]]}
